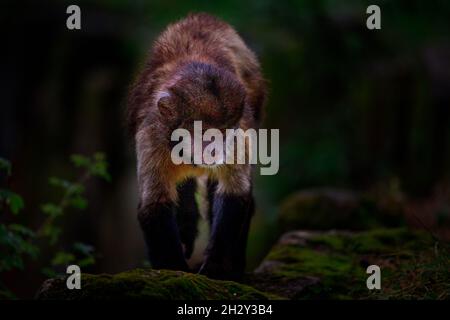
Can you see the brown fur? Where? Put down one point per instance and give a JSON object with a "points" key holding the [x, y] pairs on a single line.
{"points": [[211, 76]]}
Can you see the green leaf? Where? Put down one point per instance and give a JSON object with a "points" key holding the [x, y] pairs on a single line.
{"points": [[79, 202], [52, 233], [57, 182], [88, 261], [10, 239], [99, 157], [22, 230], [76, 189], [5, 236], [83, 248], [15, 203], [80, 161], [5, 165], [30, 249], [87, 251], [50, 273], [52, 210], [10, 262], [62, 258], [13, 200], [100, 167], [97, 166]]}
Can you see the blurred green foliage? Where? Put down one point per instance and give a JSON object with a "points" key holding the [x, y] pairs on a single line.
{"points": [[19, 242]]}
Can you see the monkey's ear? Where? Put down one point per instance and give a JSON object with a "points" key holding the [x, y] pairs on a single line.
{"points": [[166, 107]]}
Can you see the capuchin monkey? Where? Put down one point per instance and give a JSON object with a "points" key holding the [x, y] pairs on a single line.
{"points": [[199, 69]]}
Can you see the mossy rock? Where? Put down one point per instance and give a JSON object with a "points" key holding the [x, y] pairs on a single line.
{"points": [[325, 209], [150, 284], [332, 265], [302, 265]]}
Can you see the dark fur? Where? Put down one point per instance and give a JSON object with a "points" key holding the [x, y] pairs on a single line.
{"points": [[187, 215]]}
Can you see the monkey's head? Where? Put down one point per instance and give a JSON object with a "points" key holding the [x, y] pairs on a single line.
{"points": [[201, 92]]}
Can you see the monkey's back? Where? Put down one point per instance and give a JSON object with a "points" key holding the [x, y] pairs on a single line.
{"points": [[203, 38]]}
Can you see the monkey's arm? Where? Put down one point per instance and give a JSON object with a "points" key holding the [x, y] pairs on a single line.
{"points": [[158, 222], [187, 215], [156, 212], [231, 215]]}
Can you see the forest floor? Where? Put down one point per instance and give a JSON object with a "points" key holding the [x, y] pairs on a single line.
{"points": [[315, 264]]}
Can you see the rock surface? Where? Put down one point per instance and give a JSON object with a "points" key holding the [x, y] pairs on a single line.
{"points": [[325, 209], [302, 265], [150, 284]]}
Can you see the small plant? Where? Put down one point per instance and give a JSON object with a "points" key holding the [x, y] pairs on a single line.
{"points": [[15, 242], [19, 242]]}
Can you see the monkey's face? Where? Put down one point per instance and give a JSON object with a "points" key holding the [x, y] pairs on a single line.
{"points": [[201, 92]]}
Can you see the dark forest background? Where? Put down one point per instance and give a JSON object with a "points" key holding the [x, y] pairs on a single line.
{"points": [[357, 109]]}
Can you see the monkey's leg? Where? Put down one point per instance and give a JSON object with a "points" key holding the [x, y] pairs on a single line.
{"points": [[158, 222], [225, 254], [156, 213], [187, 215]]}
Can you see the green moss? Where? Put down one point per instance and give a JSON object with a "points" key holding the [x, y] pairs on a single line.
{"points": [[329, 241], [329, 265], [334, 269], [388, 240], [152, 284], [340, 260], [374, 241]]}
